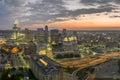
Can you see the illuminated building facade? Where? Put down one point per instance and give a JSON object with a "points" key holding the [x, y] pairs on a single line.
{"points": [[70, 43], [69, 47], [3, 40], [44, 68], [16, 30]]}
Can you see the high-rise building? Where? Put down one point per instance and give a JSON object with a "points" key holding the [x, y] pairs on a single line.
{"points": [[16, 33], [28, 35], [75, 34], [46, 28], [54, 34], [39, 36], [64, 33], [46, 32]]}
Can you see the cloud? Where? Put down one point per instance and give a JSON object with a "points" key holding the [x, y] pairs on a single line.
{"points": [[67, 15], [93, 2], [14, 2], [115, 16], [49, 11], [43, 11]]}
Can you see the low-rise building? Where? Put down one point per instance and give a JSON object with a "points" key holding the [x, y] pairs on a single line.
{"points": [[44, 68]]}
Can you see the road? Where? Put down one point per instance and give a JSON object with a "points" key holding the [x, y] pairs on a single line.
{"points": [[95, 62], [81, 64], [90, 77]]}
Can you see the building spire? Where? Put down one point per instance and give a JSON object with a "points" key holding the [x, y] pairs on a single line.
{"points": [[16, 23]]}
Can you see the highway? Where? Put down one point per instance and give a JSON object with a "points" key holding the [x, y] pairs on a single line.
{"points": [[81, 64]]}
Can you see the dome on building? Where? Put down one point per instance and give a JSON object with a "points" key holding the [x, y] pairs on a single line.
{"points": [[71, 38], [66, 39]]}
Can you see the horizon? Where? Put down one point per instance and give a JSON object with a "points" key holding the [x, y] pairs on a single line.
{"points": [[92, 28]]}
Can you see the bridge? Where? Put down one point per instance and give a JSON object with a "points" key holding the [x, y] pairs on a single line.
{"points": [[84, 63]]}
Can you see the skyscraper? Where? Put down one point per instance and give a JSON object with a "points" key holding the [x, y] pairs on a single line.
{"points": [[28, 35], [39, 36], [54, 33], [46, 32], [64, 33], [16, 33]]}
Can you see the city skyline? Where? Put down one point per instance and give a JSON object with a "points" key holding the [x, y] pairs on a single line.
{"points": [[53, 54], [69, 14]]}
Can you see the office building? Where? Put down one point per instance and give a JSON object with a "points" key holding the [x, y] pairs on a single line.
{"points": [[28, 35], [39, 36], [64, 33], [54, 33], [44, 68], [46, 34], [16, 34], [30, 48]]}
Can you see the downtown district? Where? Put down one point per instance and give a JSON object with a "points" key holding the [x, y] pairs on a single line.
{"points": [[52, 54]]}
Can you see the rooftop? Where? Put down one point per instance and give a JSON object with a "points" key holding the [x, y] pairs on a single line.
{"points": [[46, 65]]}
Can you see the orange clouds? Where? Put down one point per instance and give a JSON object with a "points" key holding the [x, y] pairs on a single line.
{"points": [[73, 24], [89, 22]]}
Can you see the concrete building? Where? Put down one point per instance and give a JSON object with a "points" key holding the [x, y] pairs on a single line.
{"points": [[69, 48], [16, 34], [70, 43], [44, 68], [64, 33], [30, 48], [54, 34], [39, 36], [46, 34], [28, 35]]}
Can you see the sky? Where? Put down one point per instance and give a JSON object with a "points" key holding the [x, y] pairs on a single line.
{"points": [[69, 14]]}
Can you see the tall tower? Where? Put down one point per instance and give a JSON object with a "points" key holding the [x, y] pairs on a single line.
{"points": [[16, 24], [46, 28], [46, 34], [64, 33], [16, 30]]}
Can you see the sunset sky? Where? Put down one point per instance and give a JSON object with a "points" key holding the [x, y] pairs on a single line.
{"points": [[70, 14]]}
